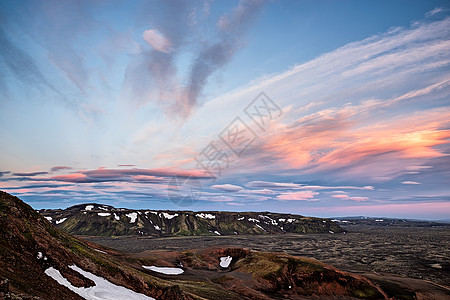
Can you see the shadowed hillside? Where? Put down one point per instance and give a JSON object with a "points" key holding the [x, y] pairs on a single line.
{"points": [[104, 220]]}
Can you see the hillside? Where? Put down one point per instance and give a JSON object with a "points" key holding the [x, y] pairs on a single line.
{"points": [[31, 248], [104, 220]]}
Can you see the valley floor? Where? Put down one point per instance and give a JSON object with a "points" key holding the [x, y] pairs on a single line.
{"points": [[421, 253]]}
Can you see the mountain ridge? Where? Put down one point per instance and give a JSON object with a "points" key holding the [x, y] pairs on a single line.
{"points": [[106, 220]]}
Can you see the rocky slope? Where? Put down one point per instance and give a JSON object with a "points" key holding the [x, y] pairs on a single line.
{"points": [[30, 246], [103, 220]]}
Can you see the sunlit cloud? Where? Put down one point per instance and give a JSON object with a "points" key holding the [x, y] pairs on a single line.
{"points": [[157, 40], [410, 182], [227, 187], [300, 196]]}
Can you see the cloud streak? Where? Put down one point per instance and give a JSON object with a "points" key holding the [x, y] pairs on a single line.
{"points": [[153, 75]]}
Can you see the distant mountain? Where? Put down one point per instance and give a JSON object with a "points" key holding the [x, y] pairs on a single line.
{"points": [[104, 220], [382, 221]]}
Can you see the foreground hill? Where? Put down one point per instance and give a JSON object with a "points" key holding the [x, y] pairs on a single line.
{"points": [[32, 249], [105, 220]]}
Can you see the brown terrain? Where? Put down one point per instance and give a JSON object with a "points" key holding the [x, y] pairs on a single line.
{"points": [[415, 257]]}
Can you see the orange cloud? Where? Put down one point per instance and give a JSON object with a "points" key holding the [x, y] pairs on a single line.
{"points": [[333, 139]]}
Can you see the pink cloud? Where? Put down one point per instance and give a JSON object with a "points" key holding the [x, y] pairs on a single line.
{"points": [[301, 195], [341, 139], [340, 196], [157, 40]]}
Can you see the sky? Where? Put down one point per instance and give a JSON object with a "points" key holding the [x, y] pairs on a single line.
{"points": [[321, 108]]}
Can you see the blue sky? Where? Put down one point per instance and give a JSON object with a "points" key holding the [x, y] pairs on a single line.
{"points": [[108, 101]]}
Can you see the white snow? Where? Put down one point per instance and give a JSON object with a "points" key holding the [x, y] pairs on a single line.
{"points": [[39, 255], [116, 217], [225, 261], [436, 266], [89, 207], [379, 220], [165, 270], [157, 227], [272, 221], [49, 218], [216, 232], [103, 208], [330, 231], [104, 214], [241, 218], [290, 220], [253, 220], [206, 216], [103, 289], [260, 227], [335, 220], [132, 216], [60, 221], [281, 220], [344, 221], [100, 251], [169, 216]]}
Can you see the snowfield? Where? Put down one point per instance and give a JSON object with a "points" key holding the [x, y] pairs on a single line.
{"points": [[169, 216], [89, 207], [206, 216], [132, 216], [225, 261], [60, 221], [103, 289], [104, 214], [165, 270]]}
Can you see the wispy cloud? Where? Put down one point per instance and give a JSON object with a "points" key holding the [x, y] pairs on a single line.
{"points": [[353, 198], [30, 174], [4, 173], [227, 187], [60, 168], [127, 175], [154, 76], [157, 40], [410, 182], [435, 11]]}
